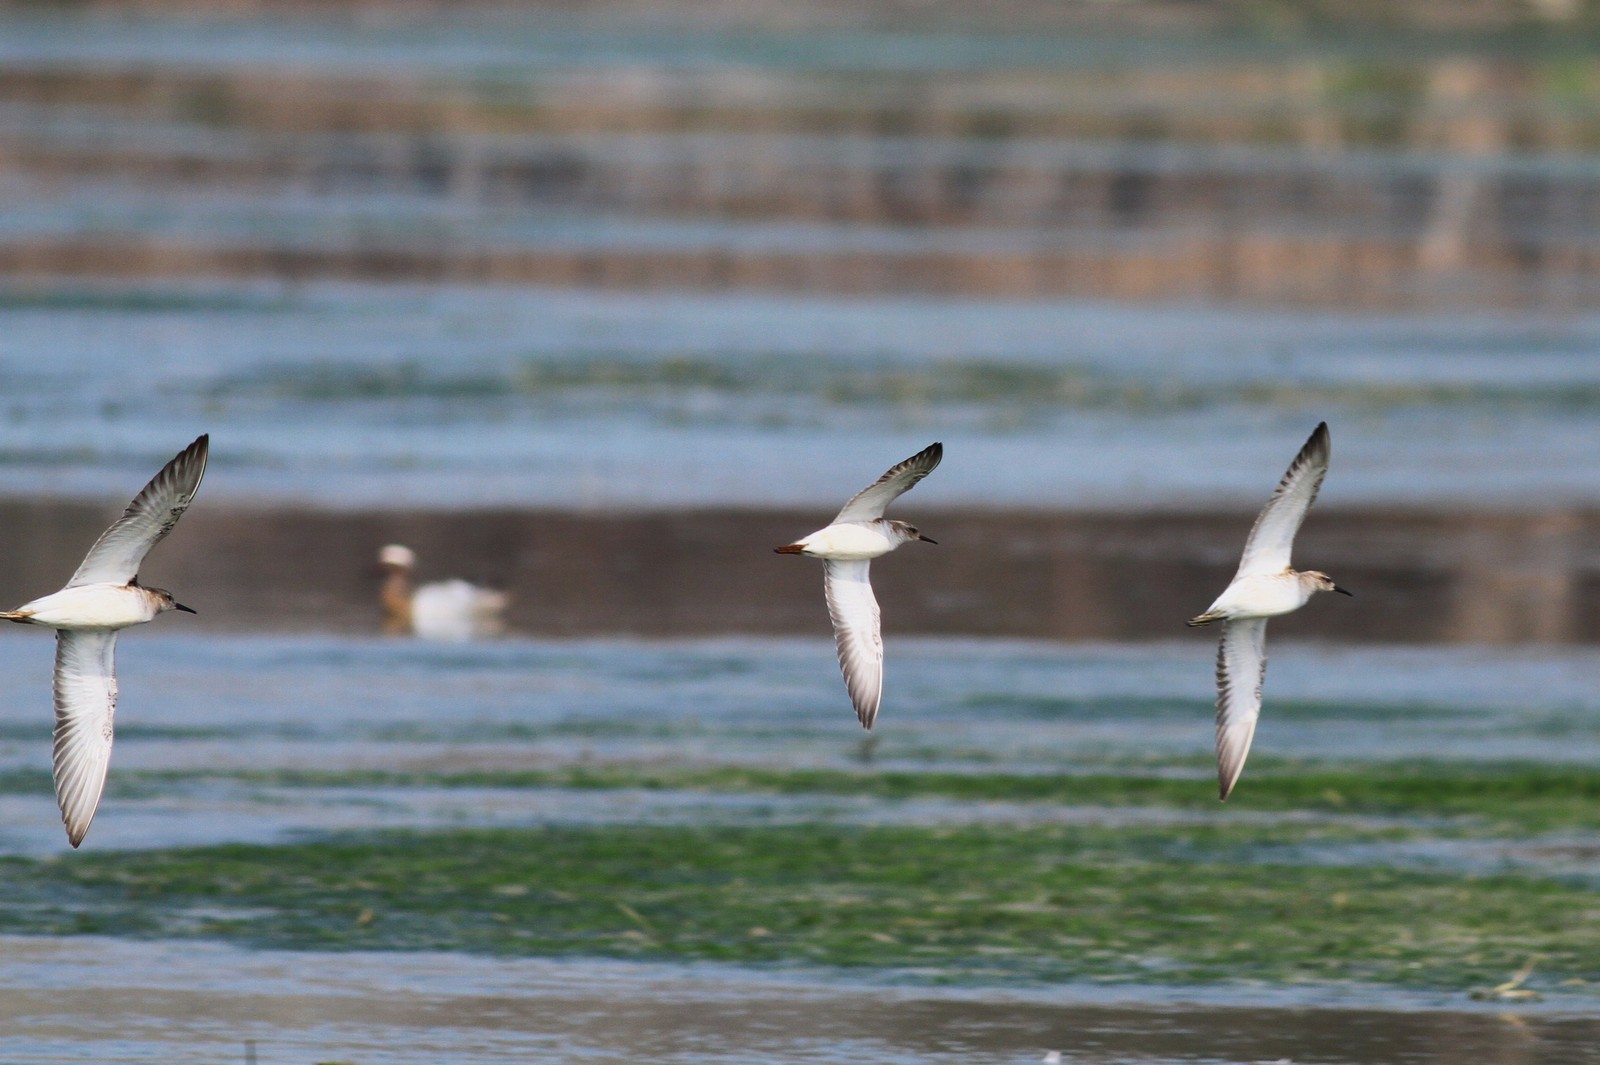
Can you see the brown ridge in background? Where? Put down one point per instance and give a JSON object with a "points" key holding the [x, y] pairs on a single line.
{"points": [[1281, 16], [1272, 168]]}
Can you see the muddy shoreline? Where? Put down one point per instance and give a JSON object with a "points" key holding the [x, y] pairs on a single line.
{"points": [[1420, 576]]}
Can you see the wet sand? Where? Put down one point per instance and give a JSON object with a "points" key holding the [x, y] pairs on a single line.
{"points": [[1419, 577]]}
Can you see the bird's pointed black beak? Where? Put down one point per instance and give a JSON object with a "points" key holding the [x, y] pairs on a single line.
{"points": [[926, 539], [185, 609], [1344, 591]]}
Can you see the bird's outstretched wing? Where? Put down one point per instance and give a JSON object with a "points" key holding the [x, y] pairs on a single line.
{"points": [[86, 701], [1241, 668], [115, 557], [870, 503], [1272, 536], [856, 633]]}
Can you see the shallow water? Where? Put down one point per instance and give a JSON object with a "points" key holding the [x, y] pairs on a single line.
{"points": [[190, 705], [731, 209], [227, 171], [67, 1001], [209, 716], [203, 710], [352, 395]]}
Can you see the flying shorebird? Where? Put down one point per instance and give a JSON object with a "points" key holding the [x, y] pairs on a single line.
{"points": [[103, 596], [847, 546], [1263, 588]]}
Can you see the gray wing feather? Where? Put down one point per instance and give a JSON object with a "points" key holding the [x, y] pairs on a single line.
{"points": [[870, 503], [115, 557], [86, 701], [857, 634], [1272, 537], [1241, 669]]}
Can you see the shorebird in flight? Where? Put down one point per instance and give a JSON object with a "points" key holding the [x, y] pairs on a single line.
{"points": [[1263, 588], [847, 546], [103, 596]]}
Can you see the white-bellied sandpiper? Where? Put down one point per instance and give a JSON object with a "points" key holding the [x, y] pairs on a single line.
{"points": [[847, 546], [103, 596], [1263, 588]]}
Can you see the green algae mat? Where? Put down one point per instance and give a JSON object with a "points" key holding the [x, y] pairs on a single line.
{"points": [[1439, 877]]}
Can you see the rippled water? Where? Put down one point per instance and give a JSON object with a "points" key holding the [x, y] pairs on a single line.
{"points": [[770, 261], [263, 703], [348, 394], [195, 707], [210, 715]]}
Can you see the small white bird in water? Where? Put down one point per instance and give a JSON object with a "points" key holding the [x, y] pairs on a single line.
{"points": [[103, 596], [859, 534], [441, 610], [1263, 588]]}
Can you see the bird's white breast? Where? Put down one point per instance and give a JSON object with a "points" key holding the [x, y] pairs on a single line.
{"points": [[93, 606], [849, 540], [1263, 596]]}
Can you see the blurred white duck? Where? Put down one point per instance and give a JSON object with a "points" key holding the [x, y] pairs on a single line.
{"points": [[440, 610]]}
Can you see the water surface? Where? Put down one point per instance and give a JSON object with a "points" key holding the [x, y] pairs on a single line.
{"points": [[772, 263], [64, 1001], [205, 723], [362, 395]]}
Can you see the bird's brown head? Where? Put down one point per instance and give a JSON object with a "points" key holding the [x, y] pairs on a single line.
{"points": [[165, 601], [1324, 583]]}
